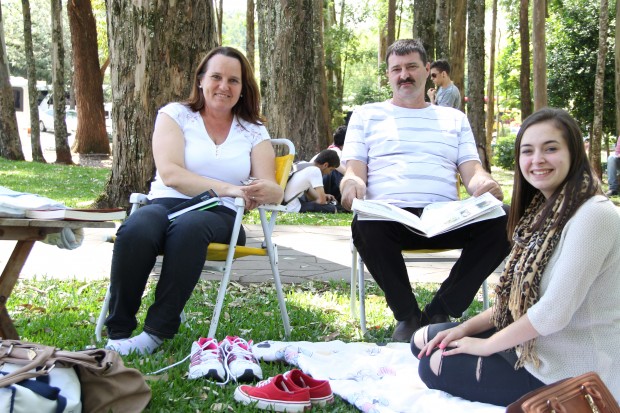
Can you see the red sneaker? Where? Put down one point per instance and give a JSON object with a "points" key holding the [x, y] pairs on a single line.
{"points": [[275, 394], [320, 390]]}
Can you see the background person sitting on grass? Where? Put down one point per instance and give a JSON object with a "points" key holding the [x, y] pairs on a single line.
{"points": [[304, 191]]}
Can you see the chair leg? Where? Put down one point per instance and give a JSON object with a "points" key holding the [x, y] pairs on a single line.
{"points": [[102, 314], [362, 293], [353, 281], [272, 251], [485, 295], [217, 311]]}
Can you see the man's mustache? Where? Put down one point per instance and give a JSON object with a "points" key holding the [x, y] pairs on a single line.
{"points": [[408, 80]]}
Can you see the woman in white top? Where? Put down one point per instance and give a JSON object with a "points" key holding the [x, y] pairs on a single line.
{"points": [[214, 140], [557, 312]]}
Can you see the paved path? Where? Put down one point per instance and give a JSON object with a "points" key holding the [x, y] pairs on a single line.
{"points": [[306, 253]]}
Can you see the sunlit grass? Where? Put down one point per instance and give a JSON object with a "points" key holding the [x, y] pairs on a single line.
{"points": [[74, 186], [63, 314]]}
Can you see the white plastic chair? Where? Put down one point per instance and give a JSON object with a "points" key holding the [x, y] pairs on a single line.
{"points": [[227, 253]]}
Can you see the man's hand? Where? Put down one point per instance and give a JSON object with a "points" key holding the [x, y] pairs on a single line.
{"points": [[353, 184], [488, 184], [478, 181], [431, 94], [351, 189]]}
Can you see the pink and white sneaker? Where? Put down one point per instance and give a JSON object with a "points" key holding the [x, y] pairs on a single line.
{"points": [[206, 360], [239, 360]]}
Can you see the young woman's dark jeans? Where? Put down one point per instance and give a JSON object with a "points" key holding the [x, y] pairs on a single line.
{"points": [[183, 242], [491, 379]]}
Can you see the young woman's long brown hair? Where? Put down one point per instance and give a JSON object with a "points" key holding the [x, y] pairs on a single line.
{"points": [[523, 191]]}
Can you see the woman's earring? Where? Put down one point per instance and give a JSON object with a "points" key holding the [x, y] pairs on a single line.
{"points": [[241, 95]]}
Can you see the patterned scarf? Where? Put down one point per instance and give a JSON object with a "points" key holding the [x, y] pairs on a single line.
{"points": [[525, 265]]}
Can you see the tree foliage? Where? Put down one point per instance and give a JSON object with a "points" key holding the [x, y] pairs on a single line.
{"points": [[41, 38], [572, 38]]}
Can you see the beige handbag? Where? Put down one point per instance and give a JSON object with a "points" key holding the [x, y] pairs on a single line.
{"points": [[106, 384]]}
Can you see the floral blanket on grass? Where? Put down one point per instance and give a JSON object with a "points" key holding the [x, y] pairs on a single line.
{"points": [[373, 378]]}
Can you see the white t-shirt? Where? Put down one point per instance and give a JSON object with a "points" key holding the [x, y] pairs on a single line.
{"points": [[227, 162], [302, 180], [412, 155]]}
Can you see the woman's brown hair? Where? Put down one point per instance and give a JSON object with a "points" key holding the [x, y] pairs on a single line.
{"points": [[523, 192], [248, 106]]}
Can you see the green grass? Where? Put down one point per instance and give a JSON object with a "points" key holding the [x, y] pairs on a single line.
{"points": [[75, 186], [63, 314]]}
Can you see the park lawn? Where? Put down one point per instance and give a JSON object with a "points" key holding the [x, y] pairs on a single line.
{"points": [[63, 314]]}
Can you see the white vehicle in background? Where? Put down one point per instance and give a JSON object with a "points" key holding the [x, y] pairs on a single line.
{"points": [[22, 101], [46, 120]]}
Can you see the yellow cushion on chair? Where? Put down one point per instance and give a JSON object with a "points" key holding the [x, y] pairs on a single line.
{"points": [[218, 252]]}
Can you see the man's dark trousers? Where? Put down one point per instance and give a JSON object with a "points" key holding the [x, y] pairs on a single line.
{"points": [[484, 245]]}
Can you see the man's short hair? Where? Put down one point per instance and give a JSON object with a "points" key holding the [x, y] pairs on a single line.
{"points": [[404, 47], [339, 135], [330, 156], [442, 65]]}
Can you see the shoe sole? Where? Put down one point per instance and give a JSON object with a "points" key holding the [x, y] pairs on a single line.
{"points": [[247, 375], [211, 374], [276, 406], [322, 401]]}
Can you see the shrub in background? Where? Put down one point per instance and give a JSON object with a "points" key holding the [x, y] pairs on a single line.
{"points": [[504, 152]]}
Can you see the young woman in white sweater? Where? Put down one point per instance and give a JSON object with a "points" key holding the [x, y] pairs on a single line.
{"points": [[557, 312]]}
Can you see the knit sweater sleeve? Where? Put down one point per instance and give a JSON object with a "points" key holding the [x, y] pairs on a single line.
{"points": [[586, 250]]}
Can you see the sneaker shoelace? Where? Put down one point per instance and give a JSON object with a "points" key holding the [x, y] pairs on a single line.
{"points": [[205, 354], [237, 348]]}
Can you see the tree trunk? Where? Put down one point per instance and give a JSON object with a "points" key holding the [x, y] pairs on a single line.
{"points": [[457, 46], [91, 135], [424, 25], [249, 30], [599, 83], [219, 12], [334, 43], [491, 87], [617, 72], [391, 22], [475, 76], [63, 153], [10, 143], [540, 55], [35, 133], [292, 70], [524, 77], [383, 45], [154, 49], [442, 30]]}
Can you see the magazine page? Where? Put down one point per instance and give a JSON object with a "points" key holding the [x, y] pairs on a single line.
{"points": [[374, 210], [440, 217]]}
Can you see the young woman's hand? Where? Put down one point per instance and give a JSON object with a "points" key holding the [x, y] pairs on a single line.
{"points": [[468, 345], [443, 339]]}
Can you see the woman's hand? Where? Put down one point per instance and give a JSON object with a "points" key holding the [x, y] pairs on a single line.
{"points": [[469, 345], [259, 192], [443, 339]]}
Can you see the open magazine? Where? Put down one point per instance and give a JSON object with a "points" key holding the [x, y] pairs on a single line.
{"points": [[436, 218]]}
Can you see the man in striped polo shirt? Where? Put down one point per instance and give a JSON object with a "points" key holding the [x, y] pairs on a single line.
{"points": [[408, 152]]}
